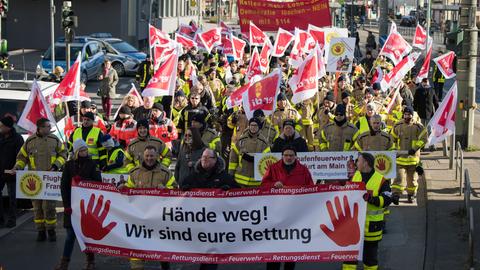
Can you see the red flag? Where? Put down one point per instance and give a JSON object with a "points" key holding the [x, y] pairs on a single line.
{"points": [[158, 37], [225, 28], [254, 66], [69, 87], [321, 62], [445, 64], [227, 45], [284, 38], [35, 108], [238, 47], [257, 36], [194, 26], [265, 55], [443, 121], [199, 42], [303, 44], [163, 81], [186, 30], [235, 98], [186, 42], [318, 34], [133, 92], [420, 38], [262, 95], [304, 82], [399, 71], [377, 75], [423, 73], [159, 55], [395, 47], [211, 38]]}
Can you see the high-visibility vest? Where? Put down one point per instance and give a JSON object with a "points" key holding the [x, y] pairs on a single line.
{"points": [[112, 159], [375, 214], [91, 141], [363, 127]]}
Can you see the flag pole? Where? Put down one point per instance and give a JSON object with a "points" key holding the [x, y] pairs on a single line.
{"points": [[78, 112], [171, 106]]}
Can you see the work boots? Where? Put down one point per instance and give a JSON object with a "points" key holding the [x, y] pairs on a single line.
{"points": [[41, 236], [90, 263], [52, 236], [411, 198], [63, 265]]}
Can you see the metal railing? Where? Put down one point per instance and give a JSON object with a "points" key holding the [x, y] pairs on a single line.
{"points": [[459, 166], [470, 218]]}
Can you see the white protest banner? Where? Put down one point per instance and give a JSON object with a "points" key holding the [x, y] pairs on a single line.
{"points": [[340, 54], [221, 227], [329, 165], [45, 185]]}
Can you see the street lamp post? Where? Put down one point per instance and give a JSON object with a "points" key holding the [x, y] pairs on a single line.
{"points": [[52, 32]]}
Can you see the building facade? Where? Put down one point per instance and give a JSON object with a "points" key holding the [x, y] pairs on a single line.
{"points": [[27, 24]]}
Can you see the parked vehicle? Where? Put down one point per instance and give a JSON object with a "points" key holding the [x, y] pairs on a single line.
{"points": [[125, 58], [408, 21], [92, 54]]}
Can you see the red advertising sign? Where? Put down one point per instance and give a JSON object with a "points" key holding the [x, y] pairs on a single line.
{"points": [[269, 15]]}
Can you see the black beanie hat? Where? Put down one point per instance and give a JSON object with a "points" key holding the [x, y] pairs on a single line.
{"points": [[330, 97], [143, 123], [340, 109], [7, 121], [125, 110], [345, 94], [408, 109]]}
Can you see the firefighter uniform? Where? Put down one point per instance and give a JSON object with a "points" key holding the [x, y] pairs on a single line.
{"points": [[337, 138], [158, 177], [378, 141], [307, 111], [238, 122], [144, 73], [134, 154], [211, 139], [380, 198], [281, 115], [241, 158], [408, 137], [42, 153], [322, 118]]}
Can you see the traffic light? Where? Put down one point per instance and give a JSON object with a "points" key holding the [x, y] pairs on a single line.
{"points": [[68, 18]]}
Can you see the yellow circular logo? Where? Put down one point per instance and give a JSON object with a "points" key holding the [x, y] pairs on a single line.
{"points": [[330, 36], [30, 184], [264, 162], [338, 49], [383, 164]]}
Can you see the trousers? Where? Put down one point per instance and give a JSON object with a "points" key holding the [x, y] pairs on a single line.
{"points": [[277, 266], [12, 200], [405, 173], [107, 106], [45, 215], [370, 257]]}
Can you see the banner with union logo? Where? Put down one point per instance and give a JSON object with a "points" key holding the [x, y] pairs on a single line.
{"points": [[340, 55], [45, 185], [330, 165]]}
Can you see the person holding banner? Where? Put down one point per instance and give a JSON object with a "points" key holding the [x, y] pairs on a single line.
{"points": [[10, 144], [149, 174], [286, 172], [410, 136], [115, 157], [378, 197], [81, 166], [43, 151]]}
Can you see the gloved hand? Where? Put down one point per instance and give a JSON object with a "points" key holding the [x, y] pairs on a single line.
{"points": [[411, 152], [367, 196], [68, 211], [419, 170], [54, 168], [248, 157]]}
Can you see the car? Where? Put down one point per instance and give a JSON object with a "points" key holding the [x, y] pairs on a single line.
{"points": [[92, 54], [124, 57]]}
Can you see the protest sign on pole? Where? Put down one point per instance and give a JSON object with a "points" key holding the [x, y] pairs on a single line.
{"points": [[221, 227], [329, 165], [340, 55]]}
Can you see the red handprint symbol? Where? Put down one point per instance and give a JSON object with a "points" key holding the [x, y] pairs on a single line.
{"points": [[31, 185], [380, 165], [346, 230], [92, 221]]}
